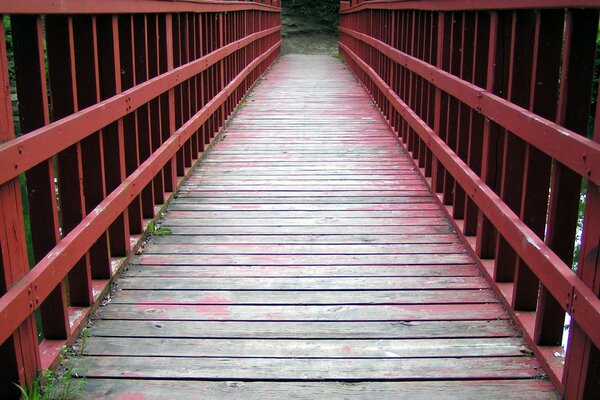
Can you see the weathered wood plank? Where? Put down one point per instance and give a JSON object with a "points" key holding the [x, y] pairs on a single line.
{"points": [[303, 208], [308, 369], [333, 239], [306, 248], [218, 312], [304, 283], [413, 248], [304, 297], [304, 329], [277, 348], [312, 230], [176, 220], [211, 271], [420, 197], [451, 390], [408, 191], [313, 259]]}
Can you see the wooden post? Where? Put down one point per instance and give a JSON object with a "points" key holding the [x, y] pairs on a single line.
{"points": [[19, 354]]}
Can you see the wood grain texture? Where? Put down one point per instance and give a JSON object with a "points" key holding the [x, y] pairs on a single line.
{"points": [[97, 389], [306, 249]]}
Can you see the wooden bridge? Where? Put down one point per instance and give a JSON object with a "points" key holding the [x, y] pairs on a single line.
{"points": [[401, 225]]}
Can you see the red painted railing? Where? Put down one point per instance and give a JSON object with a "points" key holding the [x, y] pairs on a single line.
{"points": [[494, 100], [113, 102]]}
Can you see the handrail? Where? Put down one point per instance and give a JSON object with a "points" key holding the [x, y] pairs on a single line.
{"points": [[117, 99], [506, 151]]}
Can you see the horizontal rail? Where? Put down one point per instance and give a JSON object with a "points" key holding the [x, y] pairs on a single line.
{"points": [[493, 99], [128, 6], [554, 274], [23, 153], [579, 153], [37, 285], [106, 107], [462, 5]]}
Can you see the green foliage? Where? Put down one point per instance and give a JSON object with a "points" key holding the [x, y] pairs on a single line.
{"points": [[49, 385], [323, 15], [154, 229], [84, 337]]}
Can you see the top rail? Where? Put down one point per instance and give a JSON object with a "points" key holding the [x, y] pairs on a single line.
{"points": [[493, 100], [463, 5], [133, 6], [106, 106]]}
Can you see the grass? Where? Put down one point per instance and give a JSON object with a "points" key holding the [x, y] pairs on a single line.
{"points": [[49, 385]]}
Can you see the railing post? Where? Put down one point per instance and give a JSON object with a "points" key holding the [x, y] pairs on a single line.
{"points": [[581, 378], [171, 167], [581, 28], [19, 355], [485, 230], [61, 60], [41, 182]]}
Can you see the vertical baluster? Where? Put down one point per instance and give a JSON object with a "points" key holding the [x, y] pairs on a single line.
{"points": [[127, 72], [113, 135], [30, 66], [185, 86], [519, 83], [464, 116], [536, 175], [437, 170], [451, 128], [581, 28], [165, 46], [582, 374], [476, 124], [152, 35], [88, 94], [19, 354], [485, 231], [140, 54], [63, 88]]}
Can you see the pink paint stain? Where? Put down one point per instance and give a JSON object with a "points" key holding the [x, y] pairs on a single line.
{"points": [[220, 310], [347, 349], [212, 299]]}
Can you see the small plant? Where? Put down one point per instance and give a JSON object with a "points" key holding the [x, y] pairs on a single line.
{"points": [[84, 337], [49, 385], [154, 229]]}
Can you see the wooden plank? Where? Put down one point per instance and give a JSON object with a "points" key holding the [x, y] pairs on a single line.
{"points": [[241, 297], [301, 187], [218, 312], [211, 271], [306, 248], [189, 221], [452, 390], [313, 208], [316, 259], [306, 200], [290, 249], [303, 329], [303, 239], [308, 369], [312, 230], [410, 191], [277, 348]]}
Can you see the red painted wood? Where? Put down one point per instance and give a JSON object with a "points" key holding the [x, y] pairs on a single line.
{"points": [[19, 353], [96, 98], [292, 242], [70, 169], [41, 187], [517, 57]]}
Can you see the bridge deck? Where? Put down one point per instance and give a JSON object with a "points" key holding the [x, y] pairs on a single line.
{"points": [[308, 259]]}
